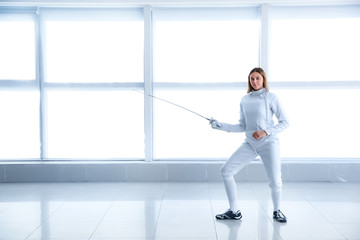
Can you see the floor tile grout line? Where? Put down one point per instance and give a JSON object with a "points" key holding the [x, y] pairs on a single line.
{"points": [[160, 207], [212, 211], [329, 222], [7, 208], [97, 226], [345, 192], [46, 219], [262, 208], [107, 210], [321, 214]]}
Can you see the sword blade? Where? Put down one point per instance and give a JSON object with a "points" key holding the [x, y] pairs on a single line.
{"points": [[174, 104]]}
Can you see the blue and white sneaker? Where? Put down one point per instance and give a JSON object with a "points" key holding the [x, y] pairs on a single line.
{"points": [[229, 215], [279, 216]]}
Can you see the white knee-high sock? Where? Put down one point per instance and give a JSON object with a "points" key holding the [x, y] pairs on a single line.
{"points": [[231, 191], [276, 198]]}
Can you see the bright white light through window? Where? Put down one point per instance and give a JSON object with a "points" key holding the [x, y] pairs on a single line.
{"points": [[323, 123], [205, 45], [315, 45], [19, 124], [193, 48], [201, 46], [17, 48], [95, 124], [94, 51], [179, 134]]}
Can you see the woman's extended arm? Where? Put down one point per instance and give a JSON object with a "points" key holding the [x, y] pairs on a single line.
{"points": [[240, 127]]}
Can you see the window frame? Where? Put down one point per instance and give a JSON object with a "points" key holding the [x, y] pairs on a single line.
{"points": [[294, 12], [29, 84], [206, 86], [148, 85], [81, 86]]}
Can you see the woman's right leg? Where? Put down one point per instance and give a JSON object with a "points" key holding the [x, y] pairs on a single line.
{"points": [[240, 158]]}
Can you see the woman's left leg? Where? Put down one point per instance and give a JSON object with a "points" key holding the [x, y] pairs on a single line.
{"points": [[270, 155]]}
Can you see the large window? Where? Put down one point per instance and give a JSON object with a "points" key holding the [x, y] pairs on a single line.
{"points": [[205, 45], [94, 124], [19, 123], [314, 43], [200, 56], [93, 59], [17, 46], [93, 46], [323, 123], [182, 135], [314, 55], [19, 94], [67, 77]]}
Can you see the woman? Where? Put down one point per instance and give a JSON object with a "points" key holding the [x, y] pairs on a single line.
{"points": [[256, 120]]}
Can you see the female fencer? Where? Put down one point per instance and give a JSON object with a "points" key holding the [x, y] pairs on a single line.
{"points": [[256, 120]]}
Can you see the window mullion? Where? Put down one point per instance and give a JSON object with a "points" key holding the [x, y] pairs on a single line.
{"points": [[264, 37], [40, 79], [148, 104]]}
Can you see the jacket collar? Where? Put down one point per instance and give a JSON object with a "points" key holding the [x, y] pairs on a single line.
{"points": [[258, 92]]}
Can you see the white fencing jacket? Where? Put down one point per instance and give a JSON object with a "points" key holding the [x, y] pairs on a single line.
{"points": [[256, 114]]}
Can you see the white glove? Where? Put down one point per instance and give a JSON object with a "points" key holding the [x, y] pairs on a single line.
{"points": [[215, 124]]}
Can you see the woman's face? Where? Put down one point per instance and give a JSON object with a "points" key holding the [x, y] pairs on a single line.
{"points": [[256, 81]]}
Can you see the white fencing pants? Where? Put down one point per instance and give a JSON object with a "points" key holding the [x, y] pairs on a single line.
{"points": [[269, 152]]}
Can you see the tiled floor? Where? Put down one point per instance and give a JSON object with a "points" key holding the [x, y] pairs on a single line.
{"points": [[174, 211]]}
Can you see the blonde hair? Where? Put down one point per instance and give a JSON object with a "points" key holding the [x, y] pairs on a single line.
{"points": [[263, 74]]}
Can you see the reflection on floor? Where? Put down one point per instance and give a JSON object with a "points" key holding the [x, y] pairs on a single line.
{"points": [[170, 211]]}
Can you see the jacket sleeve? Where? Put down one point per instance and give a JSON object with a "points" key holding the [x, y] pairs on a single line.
{"points": [[283, 121], [240, 127]]}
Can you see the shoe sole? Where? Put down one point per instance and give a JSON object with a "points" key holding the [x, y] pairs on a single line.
{"points": [[280, 221], [235, 218]]}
